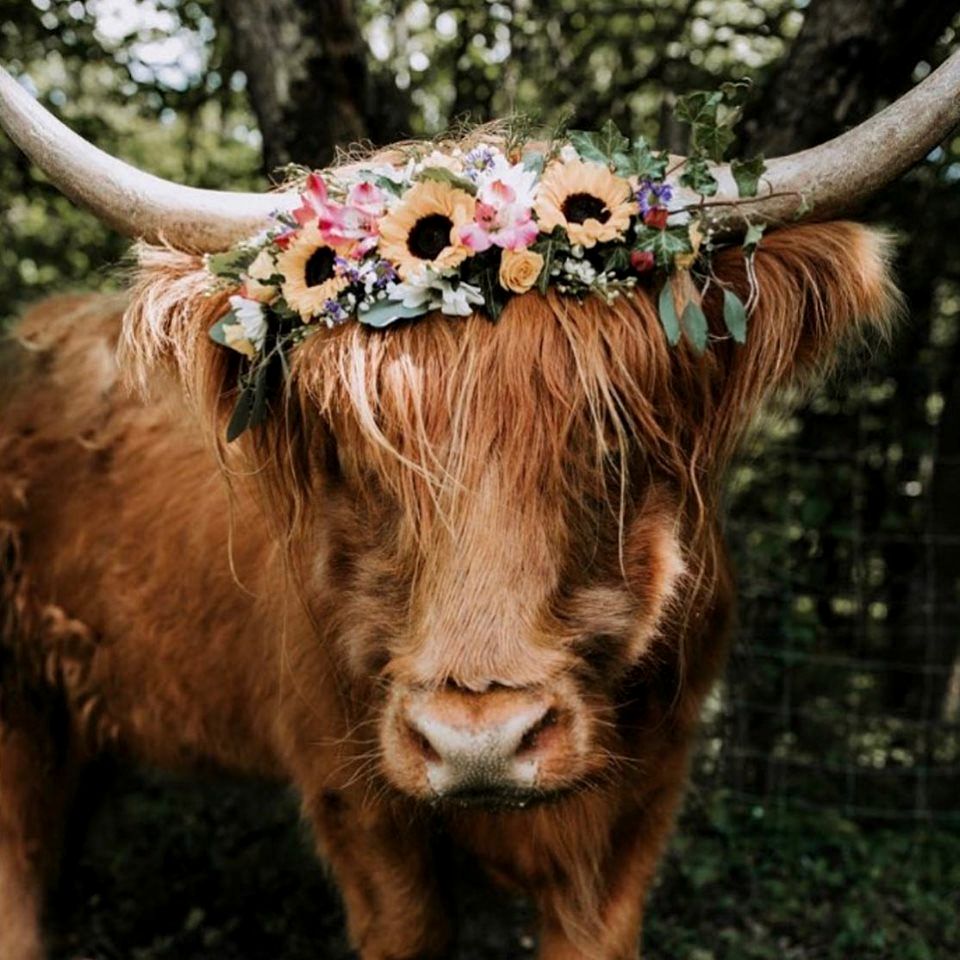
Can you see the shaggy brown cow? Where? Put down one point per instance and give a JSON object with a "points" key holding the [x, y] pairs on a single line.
{"points": [[470, 580]]}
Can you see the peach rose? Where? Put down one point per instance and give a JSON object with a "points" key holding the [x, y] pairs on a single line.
{"points": [[519, 269]]}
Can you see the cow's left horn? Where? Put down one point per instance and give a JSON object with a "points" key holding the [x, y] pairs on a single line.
{"points": [[831, 179], [135, 203]]}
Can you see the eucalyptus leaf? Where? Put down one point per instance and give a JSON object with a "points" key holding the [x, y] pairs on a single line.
{"points": [[694, 323], [216, 332], [753, 236], [534, 162], [385, 312], [443, 175], [735, 316], [747, 174], [668, 315]]}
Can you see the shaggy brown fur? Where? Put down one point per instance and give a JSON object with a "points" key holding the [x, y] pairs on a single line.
{"points": [[457, 510]]}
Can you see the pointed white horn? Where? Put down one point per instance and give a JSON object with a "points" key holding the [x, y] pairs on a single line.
{"points": [[134, 203]]}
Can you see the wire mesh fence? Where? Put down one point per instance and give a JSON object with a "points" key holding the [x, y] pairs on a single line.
{"points": [[843, 688]]}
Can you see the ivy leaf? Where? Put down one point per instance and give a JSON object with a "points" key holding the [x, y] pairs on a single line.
{"points": [[753, 237], [668, 315], [640, 161], [599, 147], [711, 123], [735, 316], [665, 245], [694, 322], [698, 177], [617, 260], [385, 312], [747, 173], [443, 175]]}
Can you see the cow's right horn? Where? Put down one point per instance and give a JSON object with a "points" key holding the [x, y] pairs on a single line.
{"points": [[831, 179], [135, 203]]}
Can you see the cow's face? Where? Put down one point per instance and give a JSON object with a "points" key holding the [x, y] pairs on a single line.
{"points": [[500, 552]]}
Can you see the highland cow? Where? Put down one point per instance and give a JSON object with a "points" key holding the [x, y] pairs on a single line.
{"points": [[470, 579]]}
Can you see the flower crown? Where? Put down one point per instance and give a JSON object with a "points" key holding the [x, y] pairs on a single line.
{"points": [[461, 230]]}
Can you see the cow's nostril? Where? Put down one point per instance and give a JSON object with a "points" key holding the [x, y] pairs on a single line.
{"points": [[532, 738], [423, 745]]}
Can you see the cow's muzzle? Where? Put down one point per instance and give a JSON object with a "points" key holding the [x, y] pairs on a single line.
{"points": [[501, 747]]}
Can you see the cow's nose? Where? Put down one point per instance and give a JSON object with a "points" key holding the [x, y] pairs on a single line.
{"points": [[483, 747]]}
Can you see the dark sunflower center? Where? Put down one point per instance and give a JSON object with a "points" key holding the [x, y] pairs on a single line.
{"points": [[429, 236], [579, 207], [319, 267]]}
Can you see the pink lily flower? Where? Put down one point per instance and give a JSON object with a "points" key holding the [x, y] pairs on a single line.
{"points": [[499, 221]]}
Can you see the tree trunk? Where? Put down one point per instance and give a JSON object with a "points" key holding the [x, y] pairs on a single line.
{"points": [[848, 55], [310, 85]]}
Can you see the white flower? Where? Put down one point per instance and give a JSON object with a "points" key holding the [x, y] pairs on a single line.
{"points": [[568, 152], [580, 270], [521, 182], [252, 317], [457, 300], [429, 290]]}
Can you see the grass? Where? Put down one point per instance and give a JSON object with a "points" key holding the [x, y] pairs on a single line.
{"points": [[225, 871]]}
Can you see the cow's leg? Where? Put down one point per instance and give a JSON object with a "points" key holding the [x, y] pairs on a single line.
{"points": [[35, 783], [384, 870]]}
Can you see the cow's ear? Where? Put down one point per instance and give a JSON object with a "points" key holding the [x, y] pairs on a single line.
{"points": [[173, 304], [817, 289]]}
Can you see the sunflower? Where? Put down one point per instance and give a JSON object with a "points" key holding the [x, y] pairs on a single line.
{"points": [[308, 270], [592, 204], [423, 229]]}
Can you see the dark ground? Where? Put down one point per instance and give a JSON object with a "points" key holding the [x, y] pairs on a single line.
{"points": [[171, 871]]}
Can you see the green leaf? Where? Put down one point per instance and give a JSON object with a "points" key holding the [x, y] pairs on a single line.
{"points": [[665, 244], [391, 186], [216, 331], [753, 236], [694, 323], [599, 147], [711, 123], [640, 162], [493, 295], [535, 162], [258, 407], [385, 312], [231, 263], [617, 260], [549, 248], [735, 316], [747, 173], [698, 176], [443, 175], [698, 107], [668, 315], [240, 418]]}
